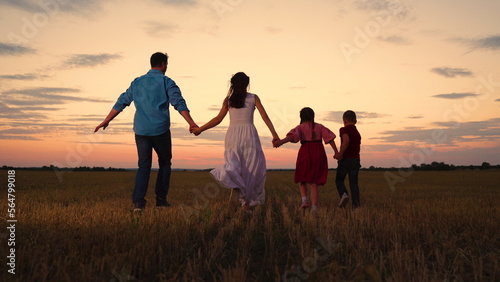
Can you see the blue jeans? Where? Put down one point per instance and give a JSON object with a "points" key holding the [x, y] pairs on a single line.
{"points": [[348, 167], [162, 144]]}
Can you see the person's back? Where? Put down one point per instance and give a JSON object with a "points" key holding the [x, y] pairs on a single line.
{"points": [[348, 160], [152, 93], [353, 148], [243, 115]]}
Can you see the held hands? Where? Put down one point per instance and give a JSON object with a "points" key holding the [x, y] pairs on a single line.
{"points": [[195, 129], [277, 142], [337, 156]]}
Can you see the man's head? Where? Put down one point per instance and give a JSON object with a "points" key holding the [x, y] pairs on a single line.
{"points": [[159, 61]]}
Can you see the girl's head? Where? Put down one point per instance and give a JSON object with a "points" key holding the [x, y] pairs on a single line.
{"points": [[238, 90], [307, 114]]}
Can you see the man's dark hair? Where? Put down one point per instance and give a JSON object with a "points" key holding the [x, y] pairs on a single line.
{"points": [[158, 58]]}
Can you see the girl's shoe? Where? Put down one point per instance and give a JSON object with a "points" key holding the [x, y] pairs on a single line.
{"points": [[304, 205]]}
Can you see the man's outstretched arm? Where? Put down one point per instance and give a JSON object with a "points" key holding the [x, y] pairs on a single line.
{"points": [[112, 114], [189, 119]]}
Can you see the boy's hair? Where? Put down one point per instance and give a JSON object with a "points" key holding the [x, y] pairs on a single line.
{"points": [[349, 116], [158, 58]]}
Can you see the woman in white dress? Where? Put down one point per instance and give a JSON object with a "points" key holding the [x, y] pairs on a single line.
{"points": [[245, 163]]}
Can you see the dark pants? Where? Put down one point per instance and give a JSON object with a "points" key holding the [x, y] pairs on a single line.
{"points": [[348, 167], [162, 144]]}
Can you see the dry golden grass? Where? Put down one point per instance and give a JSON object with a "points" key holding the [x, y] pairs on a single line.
{"points": [[435, 226]]}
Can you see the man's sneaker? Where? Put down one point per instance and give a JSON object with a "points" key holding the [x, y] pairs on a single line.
{"points": [[163, 205], [343, 201], [138, 208]]}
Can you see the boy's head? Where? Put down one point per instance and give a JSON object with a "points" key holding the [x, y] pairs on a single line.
{"points": [[349, 117]]}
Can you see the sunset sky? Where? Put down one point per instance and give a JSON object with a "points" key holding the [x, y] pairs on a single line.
{"points": [[422, 76]]}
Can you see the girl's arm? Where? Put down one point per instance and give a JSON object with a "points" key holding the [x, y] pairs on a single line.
{"points": [[213, 122], [278, 142], [343, 146], [265, 118], [334, 147]]}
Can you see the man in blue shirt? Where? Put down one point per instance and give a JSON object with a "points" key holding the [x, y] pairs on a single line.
{"points": [[152, 93]]}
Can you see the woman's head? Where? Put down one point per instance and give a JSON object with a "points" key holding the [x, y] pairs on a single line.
{"points": [[306, 114], [238, 90]]}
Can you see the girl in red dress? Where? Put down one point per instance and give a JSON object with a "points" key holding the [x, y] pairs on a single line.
{"points": [[312, 164]]}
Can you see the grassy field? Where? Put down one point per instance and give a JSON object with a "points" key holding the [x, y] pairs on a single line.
{"points": [[432, 226]]}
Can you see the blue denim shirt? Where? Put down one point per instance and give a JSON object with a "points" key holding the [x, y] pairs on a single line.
{"points": [[152, 93]]}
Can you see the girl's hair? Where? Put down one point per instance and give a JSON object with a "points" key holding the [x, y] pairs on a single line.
{"points": [[307, 114], [238, 90]]}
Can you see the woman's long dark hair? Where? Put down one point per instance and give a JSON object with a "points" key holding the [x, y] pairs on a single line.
{"points": [[238, 90], [307, 114]]}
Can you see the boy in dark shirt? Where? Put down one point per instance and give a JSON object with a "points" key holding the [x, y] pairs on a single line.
{"points": [[348, 160]]}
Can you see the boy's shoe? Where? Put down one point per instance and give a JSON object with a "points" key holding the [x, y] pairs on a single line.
{"points": [[304, 205], [343, 201], [163, 205]]}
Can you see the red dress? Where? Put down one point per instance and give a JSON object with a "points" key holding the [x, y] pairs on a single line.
{"points": [[312, 163]]}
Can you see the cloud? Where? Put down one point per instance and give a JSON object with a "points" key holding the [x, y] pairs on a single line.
{"points": [[394, 8], [415, 117], [154, 28], [451, 72], [497, 100], [25, 76], [336, 116], [52, 7], [89, 60], [214, 108], [178, 2], [7, 49], [11, 113], [491, 42], [396, 39], [448, 132], [44, 96], [455, 95]]}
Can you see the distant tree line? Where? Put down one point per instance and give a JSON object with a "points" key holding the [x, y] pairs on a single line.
{"points": [[52, 167], [434, 166], [440, 166]]}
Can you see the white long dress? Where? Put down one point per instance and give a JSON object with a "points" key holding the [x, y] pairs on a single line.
{"points": [[245, 166]]}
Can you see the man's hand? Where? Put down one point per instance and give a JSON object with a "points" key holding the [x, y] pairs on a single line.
{"points": [[103, 124], [192, 127], [196, 131]]}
